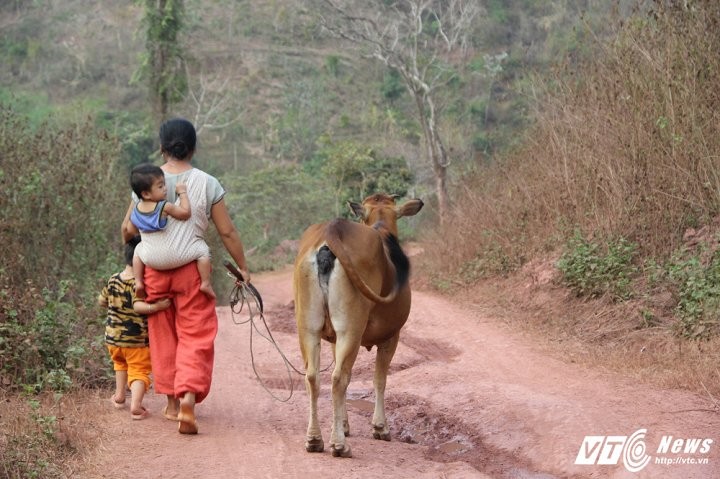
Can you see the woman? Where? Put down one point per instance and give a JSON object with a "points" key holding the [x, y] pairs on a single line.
{"points": [[182, 337]]}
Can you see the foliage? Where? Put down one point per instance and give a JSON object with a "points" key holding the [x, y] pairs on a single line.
{"points": [[266, 213], [492, 262], [277, 203], [354, 171], [292, 133], [591, 270], [617, 148], [392, 85], [162, 63], [61, 213], [698, 292], [33, 441]]}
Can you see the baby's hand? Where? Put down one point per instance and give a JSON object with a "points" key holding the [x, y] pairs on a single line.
{"points": [[180, 188]]}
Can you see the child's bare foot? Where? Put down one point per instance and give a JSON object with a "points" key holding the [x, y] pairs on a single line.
{"points": [[119, 403], [207, 288], [139, 414]]}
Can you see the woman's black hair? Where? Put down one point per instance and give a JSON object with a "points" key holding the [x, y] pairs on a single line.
{"points": [[178, 138], [143, 176]]}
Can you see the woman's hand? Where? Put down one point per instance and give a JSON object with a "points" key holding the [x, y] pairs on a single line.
{"points": [[246, 276]]}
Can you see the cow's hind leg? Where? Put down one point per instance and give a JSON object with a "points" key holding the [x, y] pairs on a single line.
{"points": [[313, 439], [346, 421], [385, 353], [346, 350], [310, 316]]}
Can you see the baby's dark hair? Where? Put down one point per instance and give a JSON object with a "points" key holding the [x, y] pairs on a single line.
{"points": [[178, 138], [130, 249], [143, 176]]}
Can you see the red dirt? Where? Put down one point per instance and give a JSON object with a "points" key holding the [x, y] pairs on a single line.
{"points": [[466, 398]]}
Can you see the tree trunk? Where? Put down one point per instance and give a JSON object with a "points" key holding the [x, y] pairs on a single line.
{"points": [[435, 150]]}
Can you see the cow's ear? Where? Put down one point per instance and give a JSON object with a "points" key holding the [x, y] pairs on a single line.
{"points": [[357, 209], [409, 208]]}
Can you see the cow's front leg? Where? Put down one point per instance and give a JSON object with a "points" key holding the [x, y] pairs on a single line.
{"points": [[385, 353]]}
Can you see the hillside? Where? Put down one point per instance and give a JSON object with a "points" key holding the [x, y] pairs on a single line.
{"points": [[275, 76]]}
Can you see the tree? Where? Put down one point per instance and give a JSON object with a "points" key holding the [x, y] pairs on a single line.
{"points": [[216, 105], [355, 171], [163, 63], [417, 39]]}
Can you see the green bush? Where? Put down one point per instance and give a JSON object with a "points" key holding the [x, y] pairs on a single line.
{"points": [[392, 86], [590, 270], [698, 289], [493, 261], [353, 170], [62, 198]]}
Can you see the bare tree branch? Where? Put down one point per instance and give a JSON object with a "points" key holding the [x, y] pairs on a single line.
{"points": [[415, 38], [215, 106]]}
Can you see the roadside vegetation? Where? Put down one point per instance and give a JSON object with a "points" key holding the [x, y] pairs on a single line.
{"points": [[615, 190], [579, 151]]}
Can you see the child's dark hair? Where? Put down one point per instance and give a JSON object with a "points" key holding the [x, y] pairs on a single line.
{"points": [[130, 249], [143, 176], [178, 138]]}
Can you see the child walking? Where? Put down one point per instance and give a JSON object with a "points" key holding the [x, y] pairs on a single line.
{"points": [[150, 216], [126, 335]]}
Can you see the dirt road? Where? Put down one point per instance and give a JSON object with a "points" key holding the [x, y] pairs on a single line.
{"points": [[465, 399]]}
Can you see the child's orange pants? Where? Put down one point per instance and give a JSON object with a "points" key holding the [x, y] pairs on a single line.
{"points": [[181, 337], [136, 361]]}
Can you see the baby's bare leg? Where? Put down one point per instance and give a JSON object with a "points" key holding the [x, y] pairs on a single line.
{"points": [[205, 270], [139, 273]]}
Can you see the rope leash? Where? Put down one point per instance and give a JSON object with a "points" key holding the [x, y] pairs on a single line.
{"points": [[247, 296]]}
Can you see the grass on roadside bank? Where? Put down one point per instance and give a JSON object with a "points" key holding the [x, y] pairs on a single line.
{"points": [[49, 435], [636, 338]]}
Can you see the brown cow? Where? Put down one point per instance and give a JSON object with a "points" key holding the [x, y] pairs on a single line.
{"points": [[351, 289]]}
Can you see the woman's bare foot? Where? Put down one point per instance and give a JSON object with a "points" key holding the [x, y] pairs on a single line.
{"points": [[186, 417], [171, 410], [207, 288]]}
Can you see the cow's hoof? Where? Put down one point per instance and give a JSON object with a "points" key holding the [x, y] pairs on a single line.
{"points": [[381, 433], [315, 444], [341, 450]]}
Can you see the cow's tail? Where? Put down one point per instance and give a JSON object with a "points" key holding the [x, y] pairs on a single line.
{"points": [[325, 264], [398, 258]]}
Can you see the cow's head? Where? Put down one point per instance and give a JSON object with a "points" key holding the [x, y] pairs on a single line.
{"points": [[379, 211]]}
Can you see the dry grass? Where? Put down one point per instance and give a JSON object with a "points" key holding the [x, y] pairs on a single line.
{"points": [[624, 146], [50, 438], [598, 333]]}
